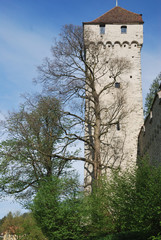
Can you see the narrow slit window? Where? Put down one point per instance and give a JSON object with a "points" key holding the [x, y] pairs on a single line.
{"points": [[123, 29], [102, 28], [151, 114], [118, 126], [117, 85]]}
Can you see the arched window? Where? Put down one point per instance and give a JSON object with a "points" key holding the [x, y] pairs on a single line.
{"points": [[123, 29]]}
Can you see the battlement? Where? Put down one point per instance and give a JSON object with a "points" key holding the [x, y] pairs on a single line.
{"points": [[113, 32], [109, 44]]}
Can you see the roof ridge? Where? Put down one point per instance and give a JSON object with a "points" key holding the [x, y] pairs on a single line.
{"points": [[118, 14], [130, 11], [106, 12], [115, 8]]}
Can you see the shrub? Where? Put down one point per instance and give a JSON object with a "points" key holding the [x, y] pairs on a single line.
{"points": [[56, 208]]}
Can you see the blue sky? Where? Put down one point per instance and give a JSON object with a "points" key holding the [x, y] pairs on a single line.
{"points": [[27, 30]]}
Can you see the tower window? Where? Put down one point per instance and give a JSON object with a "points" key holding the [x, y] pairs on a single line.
{"points": [[102, 28], [123, 29], [117, 85], [118, 126]]}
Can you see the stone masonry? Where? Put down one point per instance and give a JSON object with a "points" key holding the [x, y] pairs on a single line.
{"points": [[116, 43], [149, 141]]}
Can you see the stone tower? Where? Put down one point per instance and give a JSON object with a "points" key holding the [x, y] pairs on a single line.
{"points": [[114, 41]]}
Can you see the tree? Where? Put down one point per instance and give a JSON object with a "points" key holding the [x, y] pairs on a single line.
{"points": [[125, 203], [57, 209], [74, 75], [22, 226], [130, 199], [154, 88], [33, 140]]}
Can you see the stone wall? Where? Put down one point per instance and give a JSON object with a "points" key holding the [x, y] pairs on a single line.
{"points": [[122, 150], [113, 33], [116, 45], [149, 141]]}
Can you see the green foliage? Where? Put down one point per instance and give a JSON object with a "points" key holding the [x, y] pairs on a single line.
{"points": [[151, 94], [125, 206], [29, 153], [23, 226], [97, 215], [127, 202], [127, 236], [57, 209], [132, 201], [158, 237]]}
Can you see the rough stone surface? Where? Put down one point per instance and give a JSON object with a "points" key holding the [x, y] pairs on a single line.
{"points": [[128, 45], [149, 141]]}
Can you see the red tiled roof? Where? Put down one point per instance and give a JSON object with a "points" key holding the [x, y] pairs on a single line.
{"points": [[118, 15]]}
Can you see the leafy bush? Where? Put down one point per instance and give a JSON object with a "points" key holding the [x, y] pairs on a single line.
{"points": [[97, 215], [127, 236], [23, 226], [158, 237], [57, 209], [127, 205], [127, 202], [132, 202]]}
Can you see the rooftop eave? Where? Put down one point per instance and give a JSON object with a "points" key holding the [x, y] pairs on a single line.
{"points": [[118, 15], [128, 23]]}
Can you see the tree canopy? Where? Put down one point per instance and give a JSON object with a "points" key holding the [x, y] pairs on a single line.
{"points": [[154, 88], [33, 141], [74, 75], [57, 209], [123, 205], [23, 226]]}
